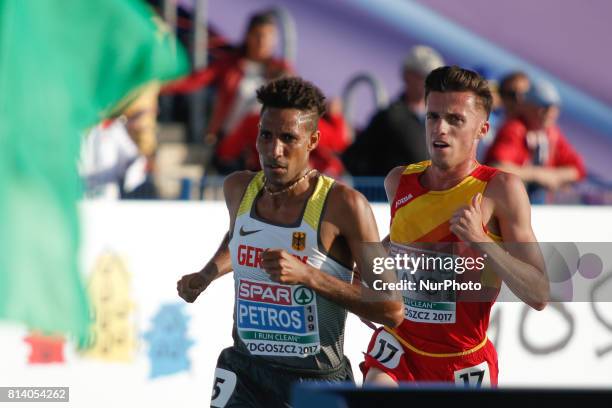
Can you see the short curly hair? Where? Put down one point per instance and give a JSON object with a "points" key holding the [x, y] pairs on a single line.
{"points": [[292, 93]]}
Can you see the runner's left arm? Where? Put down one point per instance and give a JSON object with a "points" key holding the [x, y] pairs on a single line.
{"points": [[519, 263]]}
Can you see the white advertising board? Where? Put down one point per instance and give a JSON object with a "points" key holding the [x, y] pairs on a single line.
{"points": [[156, 350]]}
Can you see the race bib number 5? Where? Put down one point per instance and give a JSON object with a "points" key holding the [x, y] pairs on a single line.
{"points": [[278, 320], [223, 387]]}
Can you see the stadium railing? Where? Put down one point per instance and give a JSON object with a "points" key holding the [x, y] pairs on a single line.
{"points": [[593, 191]]}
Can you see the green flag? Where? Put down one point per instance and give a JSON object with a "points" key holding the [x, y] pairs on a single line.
{"points": [[63, 65]]}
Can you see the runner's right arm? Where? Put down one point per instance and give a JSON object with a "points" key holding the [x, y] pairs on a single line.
{"points": [[190, 286]]}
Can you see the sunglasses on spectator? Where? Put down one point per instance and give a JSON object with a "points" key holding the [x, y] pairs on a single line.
{"points": [[512, 95]]}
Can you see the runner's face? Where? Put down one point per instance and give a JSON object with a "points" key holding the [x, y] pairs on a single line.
{"points": [[284, 143], [454, 123]]}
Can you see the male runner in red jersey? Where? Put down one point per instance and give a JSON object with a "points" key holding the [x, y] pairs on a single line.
{"points": [[453, 199]]}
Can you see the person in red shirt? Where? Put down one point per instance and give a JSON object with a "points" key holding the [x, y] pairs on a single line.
{"points": [[237, 75], [533, 147]]}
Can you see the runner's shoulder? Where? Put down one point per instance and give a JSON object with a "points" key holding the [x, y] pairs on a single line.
{"points": [[235, 184], [505, 187], [392, 181], [345, 201]]}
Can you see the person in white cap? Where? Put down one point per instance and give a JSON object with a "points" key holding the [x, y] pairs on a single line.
{"points": [[532, 146], [396, 134]]}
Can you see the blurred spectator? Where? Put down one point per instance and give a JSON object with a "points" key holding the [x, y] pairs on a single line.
{"points": [[396, 134], [110, 163], [512, 89], [140, 119], [237, 75], [507, 97], [496, 117], [237, 151], [531, 145]]}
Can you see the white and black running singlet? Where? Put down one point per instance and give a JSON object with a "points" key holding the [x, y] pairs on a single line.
{"points": [[287, 325]]}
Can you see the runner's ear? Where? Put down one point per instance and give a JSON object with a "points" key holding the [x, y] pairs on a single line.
{"points": [[313, 140], [483, 130]]}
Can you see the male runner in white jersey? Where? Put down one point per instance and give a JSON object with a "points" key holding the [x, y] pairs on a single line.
{"points": [[294, 238]]}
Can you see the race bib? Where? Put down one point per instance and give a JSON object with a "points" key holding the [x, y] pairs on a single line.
{"points": [[476, 376], [431, 297], [277, 320]]}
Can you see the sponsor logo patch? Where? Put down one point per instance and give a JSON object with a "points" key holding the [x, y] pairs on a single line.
{"points": [[403, 200]]}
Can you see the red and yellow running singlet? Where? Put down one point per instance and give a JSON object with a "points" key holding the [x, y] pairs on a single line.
{"points": [[420, 215]]}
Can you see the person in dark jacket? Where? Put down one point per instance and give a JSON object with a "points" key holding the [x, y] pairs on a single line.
{"points": [[396, 134]]}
